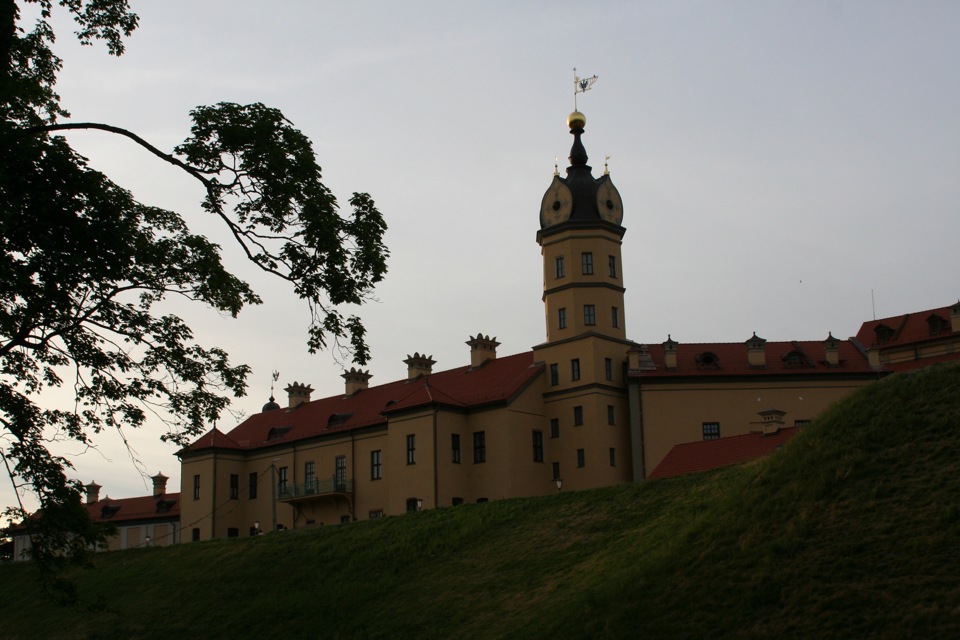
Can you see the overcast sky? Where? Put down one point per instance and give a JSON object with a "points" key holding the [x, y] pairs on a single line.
{"points": [[783, 165]]}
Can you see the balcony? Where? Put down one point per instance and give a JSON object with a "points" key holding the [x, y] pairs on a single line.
{"points": [[316, 489]]}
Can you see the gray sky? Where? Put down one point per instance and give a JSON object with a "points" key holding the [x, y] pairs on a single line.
{"points": [[778, 161]]}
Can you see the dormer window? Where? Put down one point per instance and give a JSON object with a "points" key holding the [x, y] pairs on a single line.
{"points": [[937, 324], [884, 333], [337, 419], [707, 360], [276, 433], [796, 360], [109, 510]]}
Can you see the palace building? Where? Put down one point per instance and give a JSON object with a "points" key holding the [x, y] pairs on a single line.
{"points": [[586, 408]]}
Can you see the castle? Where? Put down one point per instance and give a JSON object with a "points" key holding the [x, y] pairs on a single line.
{"points": [[586, 408]]}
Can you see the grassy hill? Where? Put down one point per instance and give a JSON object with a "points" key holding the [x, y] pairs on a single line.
{"points": [[851, 531]]}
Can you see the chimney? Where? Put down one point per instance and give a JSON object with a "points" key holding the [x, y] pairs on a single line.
{"points": [[482, 348], [159, 484], [670, 353], [357, 380], [955, 317], [419, 365], [638, 358], [93, 492], [831, 350], [298, 394], [756, 351]]}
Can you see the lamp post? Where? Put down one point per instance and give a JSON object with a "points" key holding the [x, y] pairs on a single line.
{"points": [[559, 483], [256, 528], [419, 504], [147, 541]]}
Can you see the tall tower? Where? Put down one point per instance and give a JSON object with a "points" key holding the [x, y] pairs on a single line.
{"points": [[580, 238]]}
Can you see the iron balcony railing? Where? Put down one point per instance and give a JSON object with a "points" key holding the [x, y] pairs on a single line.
{"points": [[317, 487]]}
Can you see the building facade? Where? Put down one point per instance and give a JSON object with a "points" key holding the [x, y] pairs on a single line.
{"points": [[586, 408]]}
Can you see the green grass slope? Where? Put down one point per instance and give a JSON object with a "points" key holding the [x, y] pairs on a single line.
{"points": [[851, 531]]}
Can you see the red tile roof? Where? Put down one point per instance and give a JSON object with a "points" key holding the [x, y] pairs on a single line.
{"points": [[703, 455], [906, 329], [730, 359], [495, 381], [139, 508]]}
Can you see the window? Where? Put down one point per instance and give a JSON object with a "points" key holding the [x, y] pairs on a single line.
{"points": [[554, 374], [558, 261], [612, 263], [586, 263], [195, 534], [252, 490], [483, 500], [234, 486], [376, 513], [411, 449], [554, 427], [340, 473], [611, 414], [556, 470], [801, 423], [608, 368], [480, 446], [233, 532], [578, 415], [589, 314], [562, 318], [575, 369], [613, 457], [711, 430], [455, 446], [581, 459], [412, 505], [344, 519], [282, 480], [457, 502], [615, 317], [538, 446], [196, 487], [309, 477], [376, 464]]}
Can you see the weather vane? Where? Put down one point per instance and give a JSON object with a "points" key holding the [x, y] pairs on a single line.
{"points": [[276, 376], [581, 85]]}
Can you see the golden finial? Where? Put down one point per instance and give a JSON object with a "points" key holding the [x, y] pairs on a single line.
{"points": [[606, 169], [556, 166]]}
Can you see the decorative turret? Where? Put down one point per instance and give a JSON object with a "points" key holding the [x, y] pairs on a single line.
{"points": [[756, 351], [356, 380], [482, 348], [670, 353], [419, 365], [93, 492], [298, 393], [159, 484], [831, 350]]}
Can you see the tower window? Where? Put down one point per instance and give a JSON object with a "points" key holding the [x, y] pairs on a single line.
{"points": [[376, 464], [558, 262], [196, 487], [575, 369], [608, 368], [556, 470], [538, 446], [252, 490], [455, 446], [613, 457], [234, 486], [282, 487], [615, 317], [578, 415], [586, 263], [612, 263], [554, 427], [411, 449], [611, 414], [562, 318], [589, 314], [479, 446], [554, 374], [581, 458]]}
